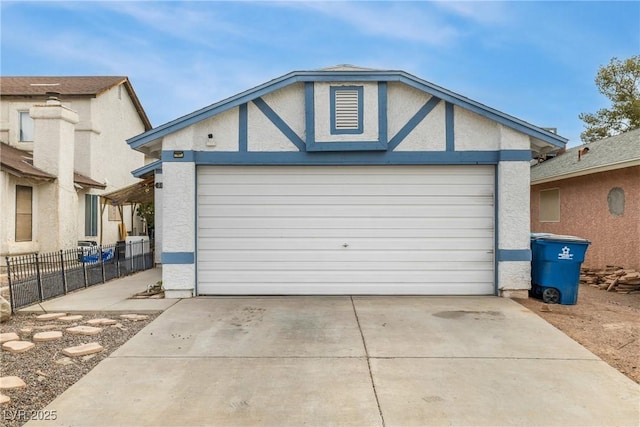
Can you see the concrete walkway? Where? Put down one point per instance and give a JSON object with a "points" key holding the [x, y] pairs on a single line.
{"points": [[361, 361], [114, 295]]}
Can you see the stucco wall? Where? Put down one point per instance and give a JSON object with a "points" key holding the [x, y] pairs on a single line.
{"points": [[584, 212]]}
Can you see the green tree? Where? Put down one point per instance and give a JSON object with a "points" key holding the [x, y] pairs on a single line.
{"points": [[620, 82]]}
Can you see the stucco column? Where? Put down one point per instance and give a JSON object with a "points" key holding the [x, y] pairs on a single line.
{"points": [[178, 229], [53, 152], [514, 265]]}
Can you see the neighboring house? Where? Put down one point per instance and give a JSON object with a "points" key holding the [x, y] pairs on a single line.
{"points": [[345, 181], [594, 195], [63, 144]]}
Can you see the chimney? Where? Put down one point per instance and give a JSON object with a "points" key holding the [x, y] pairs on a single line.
{"points": [[582, 152]]}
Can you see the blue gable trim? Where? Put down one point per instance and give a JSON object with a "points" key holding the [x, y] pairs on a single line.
{"points": [[413, 122], [178, 257], [382, 113], [243, 127], [155, 167], [310, 112], [280, 124], [346, 76], [449, 128], [352, 157]]}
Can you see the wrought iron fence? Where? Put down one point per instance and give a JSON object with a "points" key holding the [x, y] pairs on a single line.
{"points": [[38, 277]]}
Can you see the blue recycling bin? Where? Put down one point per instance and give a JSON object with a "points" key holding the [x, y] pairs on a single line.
{"points": [[555, 267]]}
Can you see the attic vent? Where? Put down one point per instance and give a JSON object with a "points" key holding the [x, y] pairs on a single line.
{"points": [[346, 109]]}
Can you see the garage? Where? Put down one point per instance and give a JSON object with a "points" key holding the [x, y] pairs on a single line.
{"points": [[344, 181], [345, 230]]}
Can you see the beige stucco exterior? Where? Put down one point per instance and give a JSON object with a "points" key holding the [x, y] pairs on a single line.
{"points": [[82, 134]]}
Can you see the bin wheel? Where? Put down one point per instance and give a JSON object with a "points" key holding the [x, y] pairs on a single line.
{"points": [[551, 296]]}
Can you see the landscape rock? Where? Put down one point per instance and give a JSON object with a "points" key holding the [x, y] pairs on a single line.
{"points": [[64, 361], [50, 316], [4, 399], [47, 336], [5, 310], [8, 336], [8, 383], [18, 346], [26, 331], [83, 349], [84, 330], [72, 318], [102, 321], [134, 317]]}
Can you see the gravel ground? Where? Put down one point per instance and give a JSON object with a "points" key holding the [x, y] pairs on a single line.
{"points": [[41, 368]]}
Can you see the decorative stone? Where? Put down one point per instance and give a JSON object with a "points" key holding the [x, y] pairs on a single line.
{"points": [[8, 336], [83, 349], [4, 399], [47, 336], [8, 383], [48, 327], [64, 361], [84, 330], [50, 316], [134, 317], [18, 346], [101, 322], [26, 331], [72, 318]]}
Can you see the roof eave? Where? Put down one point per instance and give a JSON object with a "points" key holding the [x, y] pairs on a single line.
{"points": [[596, 169], [307, 76]]}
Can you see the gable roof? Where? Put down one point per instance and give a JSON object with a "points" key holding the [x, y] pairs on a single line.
{"points": [[19, 163], [611, 153], [346, 73], [68, 87]]}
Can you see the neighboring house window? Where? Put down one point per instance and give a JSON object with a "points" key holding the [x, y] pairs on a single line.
{"points": [[90, 215], [550, 205], [26, 127], [24, 213], [346, 109]]}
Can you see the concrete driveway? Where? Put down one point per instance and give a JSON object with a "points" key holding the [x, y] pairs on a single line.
{"points": [[361, 361]]}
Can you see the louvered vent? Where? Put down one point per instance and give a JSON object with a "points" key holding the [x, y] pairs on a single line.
{"points": [[347, 111]]}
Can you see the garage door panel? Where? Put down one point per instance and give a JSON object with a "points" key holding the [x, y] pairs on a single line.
{"points": [[342, 233], [209, 224], [321, 244], [353, 230], [350, 211], [360, 276], [251, 256], [391, 192]]}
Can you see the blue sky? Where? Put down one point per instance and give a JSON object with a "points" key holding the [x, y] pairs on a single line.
{"points": [[533, 60]]}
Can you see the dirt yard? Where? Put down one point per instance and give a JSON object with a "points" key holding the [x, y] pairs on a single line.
{"points": [[606, 323]]}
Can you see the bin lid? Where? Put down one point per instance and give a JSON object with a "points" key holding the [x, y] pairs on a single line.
{"points": [[558, 237]]}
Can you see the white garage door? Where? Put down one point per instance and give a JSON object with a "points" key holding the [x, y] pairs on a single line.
{"points": [[345, 230]]}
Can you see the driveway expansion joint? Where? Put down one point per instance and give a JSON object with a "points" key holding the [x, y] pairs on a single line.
{"points": [[366, 352]]}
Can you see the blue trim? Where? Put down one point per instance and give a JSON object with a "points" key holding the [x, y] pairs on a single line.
{"points": [[195, 221], [348, 157], [188, 156], [243, 127], [345, 76], [279, 123], [514, 155], [332, 96], [347, 146], [413, 122], [382, 113], [449, 126], [496, 228], [310, 112], [155, 167], [178, 258], [514, 254]]}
